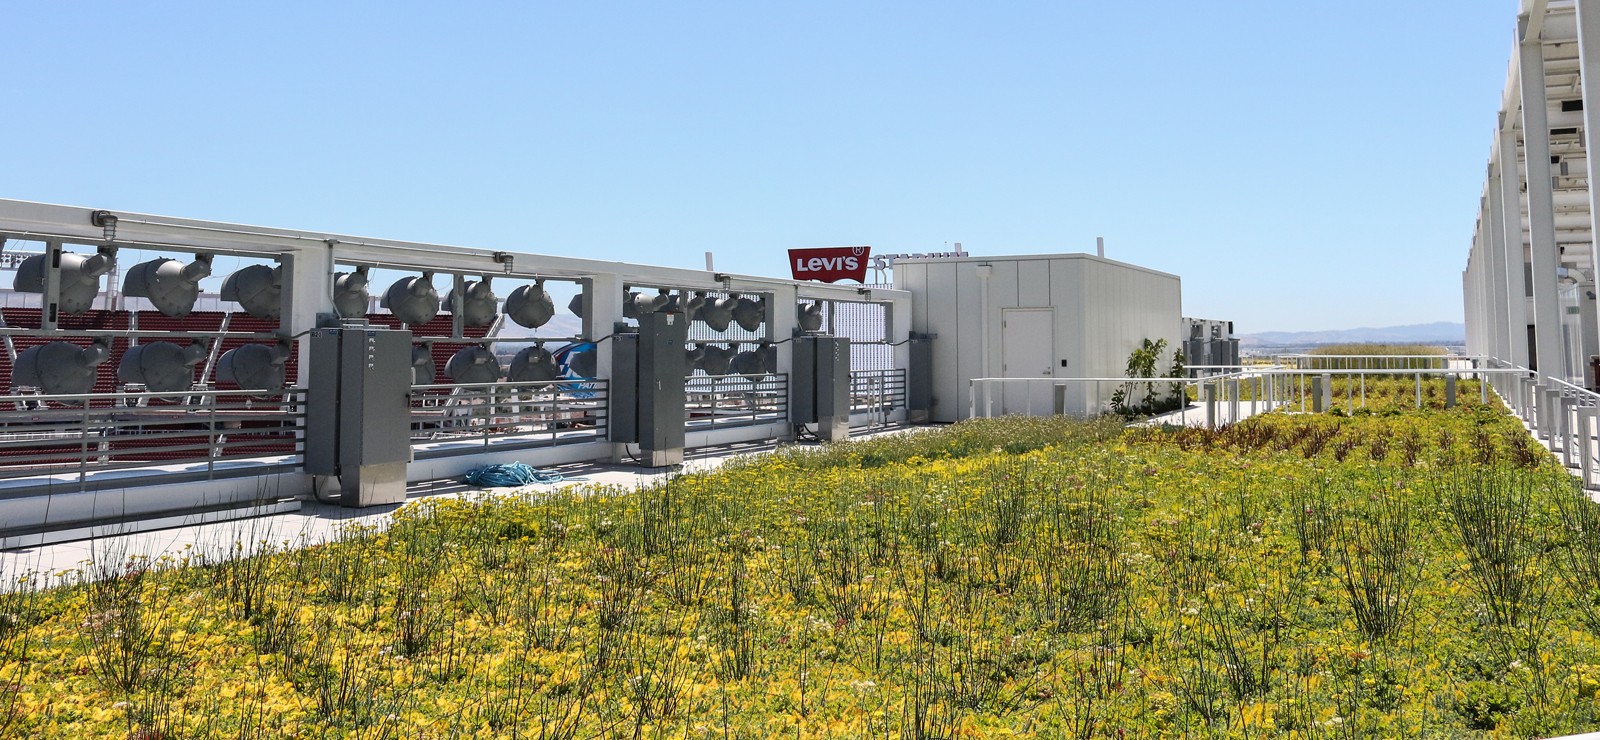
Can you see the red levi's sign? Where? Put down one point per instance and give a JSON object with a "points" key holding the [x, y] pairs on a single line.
{"points": [[830, 264]]}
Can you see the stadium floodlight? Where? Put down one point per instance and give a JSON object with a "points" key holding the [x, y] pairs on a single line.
{"points": [[161, 367], [256, 288], [423, 368], [533, 365], [479, 304], [692, 355], [757, 363], [809, 316], [171, 286], [576, 305], [474, 364], [61, 367], [254, 367], [79, 279], [715, 360], [749, 314], [717, 313], [661, 301], [351, 294], [413, 300], [531, 305]]}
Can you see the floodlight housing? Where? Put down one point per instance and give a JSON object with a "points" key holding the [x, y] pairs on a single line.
{"points": [[715, 360], [809, 316], [254, 367], [749, 314], [533, 365], [351, 293], [413, 300], [61, 367], [479, 304], [643, 304], [161, 367], [474, 364], [717, 313], [171, 286], [257, 289], [531, 305], [79, 279], [757, 363]]}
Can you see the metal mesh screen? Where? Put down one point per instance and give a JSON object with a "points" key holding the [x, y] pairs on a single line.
{"points": [[867, 326]]}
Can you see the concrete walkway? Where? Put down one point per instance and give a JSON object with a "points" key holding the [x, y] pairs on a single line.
{"points": [[314, 522]]}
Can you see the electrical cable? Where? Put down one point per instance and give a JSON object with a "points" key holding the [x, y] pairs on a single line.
{"points": [[317, 483]]}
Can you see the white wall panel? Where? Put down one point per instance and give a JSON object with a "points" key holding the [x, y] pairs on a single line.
{"points": [[1104, 309], [1033, 283]]}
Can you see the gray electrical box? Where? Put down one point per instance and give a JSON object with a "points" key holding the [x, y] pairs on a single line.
{"points": [[819, 387], [358, 416], [647, 388]]}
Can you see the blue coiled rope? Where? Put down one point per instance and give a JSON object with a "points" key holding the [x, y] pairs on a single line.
{"points": [[511, 474]]}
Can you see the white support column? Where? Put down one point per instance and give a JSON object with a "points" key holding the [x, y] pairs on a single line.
{"points": [[1541, 206], [1482, 315], [601, 311], [1494, 230], [307, 292], [1483, 290], [1589, 70], [782, 323], [1511, 219]]}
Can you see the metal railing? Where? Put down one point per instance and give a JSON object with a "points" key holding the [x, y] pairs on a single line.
{"points": [[499, 414], [1210, 400], [1562, 415], [1231, 397], [717, 401], [1375, 362], [1350, 390], [82, 434], [877, 393]]}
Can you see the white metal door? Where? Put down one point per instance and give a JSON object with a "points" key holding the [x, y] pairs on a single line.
{"points": [[1028, 350]]}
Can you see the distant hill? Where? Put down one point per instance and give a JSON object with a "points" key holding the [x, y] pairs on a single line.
{"points": [[561, 325], [1440, 332]]}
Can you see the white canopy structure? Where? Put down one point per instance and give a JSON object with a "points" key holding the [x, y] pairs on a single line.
{"points": [[1529, 282]]}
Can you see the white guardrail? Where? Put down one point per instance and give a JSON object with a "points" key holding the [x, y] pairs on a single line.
{"points": [[1562, 415]]}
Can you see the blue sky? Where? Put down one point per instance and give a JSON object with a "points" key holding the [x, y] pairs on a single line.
{"points": [[1300, 165]]}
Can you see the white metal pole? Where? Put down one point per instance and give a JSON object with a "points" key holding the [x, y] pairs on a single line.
{"points": [[1541, 206], [1511, 219], [1494, 230]]}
